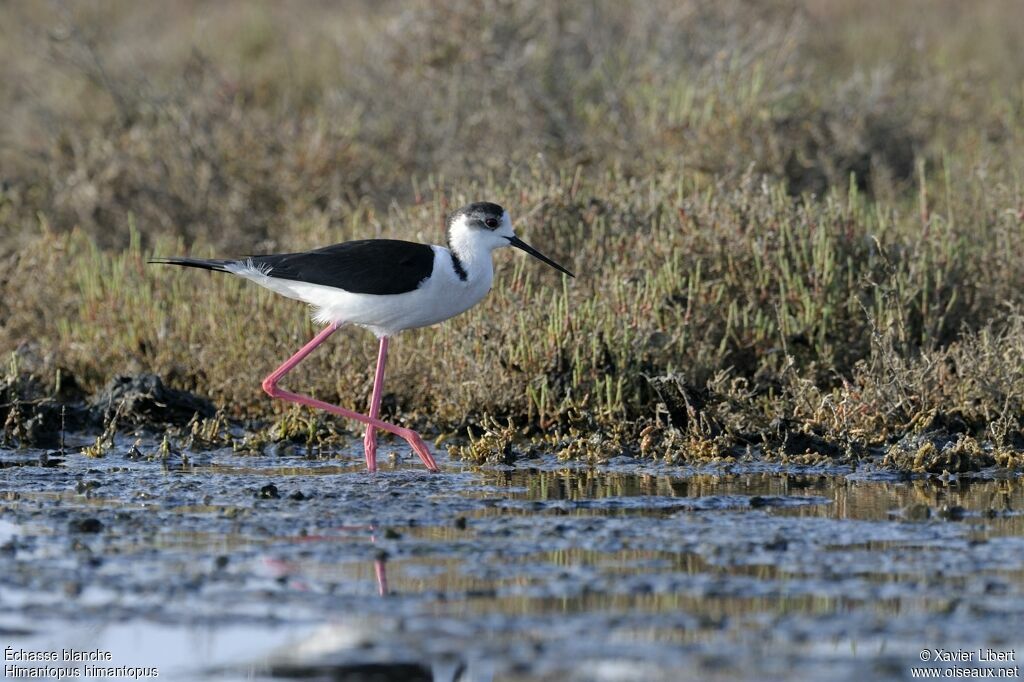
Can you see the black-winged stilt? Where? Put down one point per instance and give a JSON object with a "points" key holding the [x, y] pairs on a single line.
{"points": [[386, 286]]}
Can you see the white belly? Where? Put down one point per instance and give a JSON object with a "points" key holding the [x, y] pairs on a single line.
{"points": [[441, 296]]}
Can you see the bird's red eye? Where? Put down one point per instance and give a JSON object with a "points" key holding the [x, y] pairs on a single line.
{"points": [[491, 223]]}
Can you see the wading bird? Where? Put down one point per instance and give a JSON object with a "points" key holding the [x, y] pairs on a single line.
{"points": [[383, 285]]}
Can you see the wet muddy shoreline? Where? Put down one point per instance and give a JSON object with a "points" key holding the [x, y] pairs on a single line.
{"points": [[537, 570]]}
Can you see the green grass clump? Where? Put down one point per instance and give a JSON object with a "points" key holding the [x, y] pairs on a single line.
{"points": [[795, 236]]}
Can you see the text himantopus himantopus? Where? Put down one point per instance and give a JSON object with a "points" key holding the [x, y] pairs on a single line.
{"points": [[386, 286]]}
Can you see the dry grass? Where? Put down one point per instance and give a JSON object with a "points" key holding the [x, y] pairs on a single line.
{"points": [[807, 217]]}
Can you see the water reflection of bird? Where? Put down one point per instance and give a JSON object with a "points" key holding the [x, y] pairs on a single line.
{"points": [[386, 286], [284, 570], [317, 654]]}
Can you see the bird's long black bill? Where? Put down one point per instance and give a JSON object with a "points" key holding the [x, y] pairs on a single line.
{"points": [[520, 244]]}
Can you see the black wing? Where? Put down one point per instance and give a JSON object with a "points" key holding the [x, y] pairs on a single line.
{"points": [[365, 266]]}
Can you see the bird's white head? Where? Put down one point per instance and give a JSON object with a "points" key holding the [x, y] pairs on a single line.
{"points": [[478, 228], [481, 226]]}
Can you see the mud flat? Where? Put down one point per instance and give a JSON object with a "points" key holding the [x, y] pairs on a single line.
{"points": [[219, 566]]}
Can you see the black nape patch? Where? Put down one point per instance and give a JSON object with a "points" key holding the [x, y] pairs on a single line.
{"points": [[457, 265]]}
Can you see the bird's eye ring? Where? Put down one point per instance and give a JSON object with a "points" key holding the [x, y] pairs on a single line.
{"points": [[491, 223]]}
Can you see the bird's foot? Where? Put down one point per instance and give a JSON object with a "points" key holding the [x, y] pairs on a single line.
{"points": [[411, 437], [421, 449], [370, 448]]}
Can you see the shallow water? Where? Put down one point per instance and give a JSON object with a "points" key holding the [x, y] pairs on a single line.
{"points": [[541, 571]]}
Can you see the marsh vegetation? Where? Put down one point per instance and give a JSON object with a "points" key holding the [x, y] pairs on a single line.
{"points": [[797, 226]]}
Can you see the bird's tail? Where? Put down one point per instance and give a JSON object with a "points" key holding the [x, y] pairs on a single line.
{"points": [[217, 264]]}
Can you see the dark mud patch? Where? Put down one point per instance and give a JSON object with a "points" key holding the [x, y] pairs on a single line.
{"points": [[32, 415], [293, 567], [144, 399]]}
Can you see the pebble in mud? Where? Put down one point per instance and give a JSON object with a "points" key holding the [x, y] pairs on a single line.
{"points": [[51, 459], [268, 492], [952, 512], [84, 487], [86, 525]]}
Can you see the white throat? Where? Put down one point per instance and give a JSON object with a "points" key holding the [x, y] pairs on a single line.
{"points": [[469, 249], [473, 246]]}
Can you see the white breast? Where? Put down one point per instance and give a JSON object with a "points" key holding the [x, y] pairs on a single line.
{"points": [[439, 297]]}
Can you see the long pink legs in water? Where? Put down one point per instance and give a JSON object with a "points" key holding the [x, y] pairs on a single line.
{"points": [[371, 420], [370, 439]]}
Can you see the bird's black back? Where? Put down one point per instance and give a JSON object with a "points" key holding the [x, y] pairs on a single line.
{"points": [[365, 266]]}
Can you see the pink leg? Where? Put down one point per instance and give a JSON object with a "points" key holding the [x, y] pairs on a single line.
{"points": [[370, 439], [270, 386], [382, 577]]}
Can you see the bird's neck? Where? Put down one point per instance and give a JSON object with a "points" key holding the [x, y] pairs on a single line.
{"points": [[470, 258]]}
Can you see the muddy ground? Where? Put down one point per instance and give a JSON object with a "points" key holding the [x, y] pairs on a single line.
{"points": [[220, 566]]}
